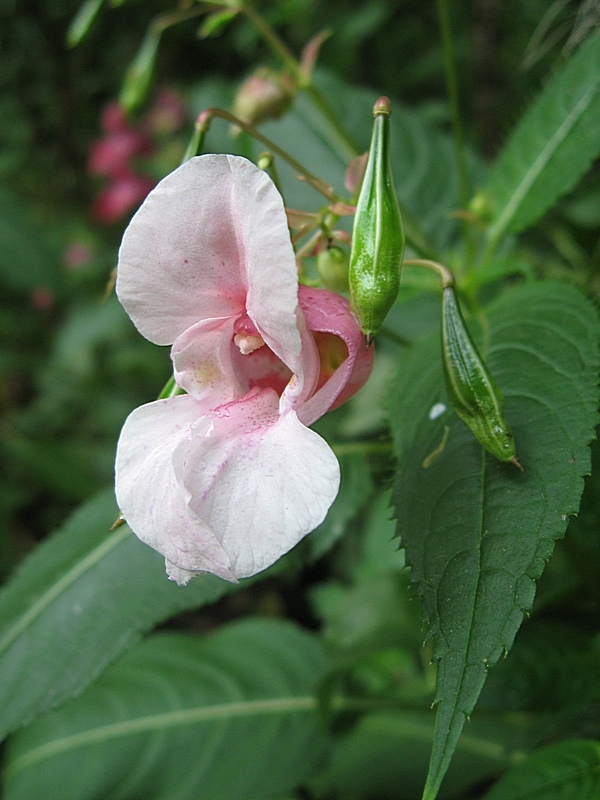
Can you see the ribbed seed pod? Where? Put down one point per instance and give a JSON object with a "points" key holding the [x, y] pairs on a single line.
{"points": [[378, 234], [472, 391]]}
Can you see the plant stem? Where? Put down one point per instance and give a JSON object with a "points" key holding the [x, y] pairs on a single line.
{"points": [[445, 275], [278, 47], [170, 389], [340, 138], [344, 143], [464, 190], [204, 121]]}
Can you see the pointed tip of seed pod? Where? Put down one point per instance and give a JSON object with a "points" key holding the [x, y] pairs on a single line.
{"points": [[120, 520], [382, 106], [368, 339], [514, 460]]}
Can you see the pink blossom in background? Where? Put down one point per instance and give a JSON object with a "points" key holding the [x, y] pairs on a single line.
{"points": [[123, 154], [166, 114], [228, 477], [112, 155], [42, 298], [76, 255], [120, 196], [113, 118]]}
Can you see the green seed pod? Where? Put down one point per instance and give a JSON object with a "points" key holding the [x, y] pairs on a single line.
{"points": [[472, 391], [378, 235], [332, 263]]}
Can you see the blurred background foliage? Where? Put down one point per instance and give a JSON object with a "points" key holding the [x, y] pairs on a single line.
{"points": [[71, 364]]}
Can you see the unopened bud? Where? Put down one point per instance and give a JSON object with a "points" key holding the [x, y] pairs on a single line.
{"points": [[262, 96], [378, 234], [332, 263], [472, 391]]}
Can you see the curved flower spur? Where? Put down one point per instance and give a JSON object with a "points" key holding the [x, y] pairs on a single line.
{"points": [[228, 477]]}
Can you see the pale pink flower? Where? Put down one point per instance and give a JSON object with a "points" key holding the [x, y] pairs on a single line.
{"points": [[228, 477], [120, 196]]}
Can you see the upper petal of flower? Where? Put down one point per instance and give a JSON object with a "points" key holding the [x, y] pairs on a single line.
{"points": [[211, 240]]}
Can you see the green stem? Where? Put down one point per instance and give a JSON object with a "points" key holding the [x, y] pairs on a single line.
{"points": [[195, 144], [452, 88], [170, 389], [204, 121], [340, 138], [275, 43], [345, 145], [171, 18], [445, 275]]}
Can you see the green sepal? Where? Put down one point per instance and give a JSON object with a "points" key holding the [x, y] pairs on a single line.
{"points": [[472, 391], [378, 235]]}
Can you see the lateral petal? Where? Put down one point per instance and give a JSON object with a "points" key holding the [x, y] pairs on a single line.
{"points": [[202, 361], [329, 313]]}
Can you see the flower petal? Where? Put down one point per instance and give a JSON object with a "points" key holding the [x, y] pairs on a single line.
{"points": [[202, 361], [210, 366], [259, 481], [210, 235], [329, 313], [150, 495]]}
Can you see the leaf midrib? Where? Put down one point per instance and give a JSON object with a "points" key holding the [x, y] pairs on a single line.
{"points": [[60, 586], [161, 721], [434, 779], [552, 145]]}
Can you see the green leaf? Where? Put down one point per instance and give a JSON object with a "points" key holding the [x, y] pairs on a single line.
{"points": [[83, 21], [551, 147], [477, 532], [229, 716], [552, 670], [385, 756], [564, 771], [356, 488], [81, 599]]}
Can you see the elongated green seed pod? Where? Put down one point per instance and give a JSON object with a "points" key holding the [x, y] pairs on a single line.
{"points": [[378, 235], [472, 391]]}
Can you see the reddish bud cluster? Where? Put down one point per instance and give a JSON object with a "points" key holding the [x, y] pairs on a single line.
{"points": [[123, 154]]}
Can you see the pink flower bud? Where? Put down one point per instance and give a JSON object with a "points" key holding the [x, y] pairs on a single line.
{"points": [[262, 96], [114, 119], [112, 155]]}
